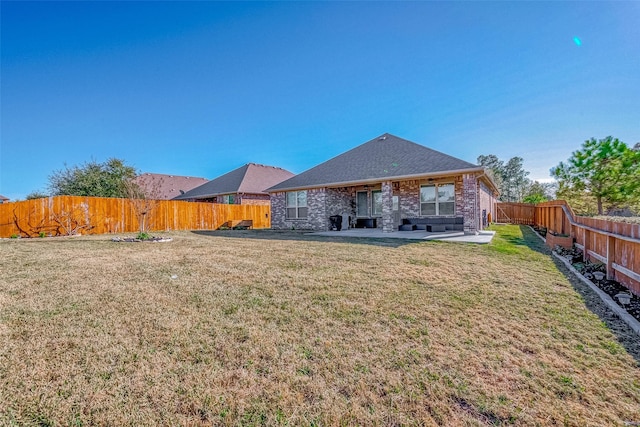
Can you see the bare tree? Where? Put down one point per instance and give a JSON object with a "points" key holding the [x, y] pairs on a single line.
{"points": [[71, 221], [144, 193], [65, 222]]}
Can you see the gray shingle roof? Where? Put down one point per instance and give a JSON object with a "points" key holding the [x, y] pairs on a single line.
{"points": [[384, 157], [250, 178]]}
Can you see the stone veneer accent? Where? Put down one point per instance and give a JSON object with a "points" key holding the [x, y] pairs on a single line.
{"points": [[387, 207], [471, 203]]}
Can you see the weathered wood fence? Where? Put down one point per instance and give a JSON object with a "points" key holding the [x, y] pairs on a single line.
{"points": [[615, 244], [516, 213], [96, 215]]}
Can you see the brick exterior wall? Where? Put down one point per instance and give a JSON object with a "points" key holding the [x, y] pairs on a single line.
{"points": [[341, 201], [487, 204], [409, 193], [471, 203], [278, 211], [387, 207], [317, 219], [323, 203]]}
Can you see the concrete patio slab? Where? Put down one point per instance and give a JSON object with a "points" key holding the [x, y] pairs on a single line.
{"points": [[482, 237]]}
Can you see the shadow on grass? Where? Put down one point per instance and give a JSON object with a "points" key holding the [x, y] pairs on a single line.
{"points": [[306, 237], [624, 334]]}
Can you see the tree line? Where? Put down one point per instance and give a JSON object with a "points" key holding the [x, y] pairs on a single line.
{"points": [[603, 176]]}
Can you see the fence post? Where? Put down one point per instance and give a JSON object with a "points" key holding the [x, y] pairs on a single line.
{"points": [[611, 253], [585, 251]]}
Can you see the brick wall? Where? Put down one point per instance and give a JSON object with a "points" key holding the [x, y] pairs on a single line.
{"points": [[409, 193], [471, 203], [317, 219], [323, 203], [341, 201], [487, 202]]}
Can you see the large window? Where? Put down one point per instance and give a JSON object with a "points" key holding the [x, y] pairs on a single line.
{"points": [[438, 199], [297, 204]]}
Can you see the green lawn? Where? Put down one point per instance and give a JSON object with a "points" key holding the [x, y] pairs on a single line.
{"points": [[278, 328]]}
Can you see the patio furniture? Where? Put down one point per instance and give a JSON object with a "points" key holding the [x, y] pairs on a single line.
{"points": [[438, 224], [366, 223]]}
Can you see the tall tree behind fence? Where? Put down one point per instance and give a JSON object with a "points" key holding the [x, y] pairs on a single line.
{"points": [[95, 215]]}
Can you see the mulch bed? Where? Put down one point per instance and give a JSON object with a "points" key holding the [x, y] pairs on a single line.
{"points": [[135, 240], [590, 271]]}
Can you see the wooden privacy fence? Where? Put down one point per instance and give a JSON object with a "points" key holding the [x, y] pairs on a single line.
{"points": [[516, 213], [615, 244], [96, 215]]}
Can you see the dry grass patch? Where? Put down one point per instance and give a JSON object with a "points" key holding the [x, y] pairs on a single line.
{"points": [[267, 328]]}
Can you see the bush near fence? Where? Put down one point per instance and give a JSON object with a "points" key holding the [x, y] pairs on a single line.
{"points": [[615, 244], [63, 215]]}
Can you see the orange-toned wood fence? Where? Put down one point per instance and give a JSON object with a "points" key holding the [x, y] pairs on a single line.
{"points": [[615, 244], [516, 213], [95, 215]]}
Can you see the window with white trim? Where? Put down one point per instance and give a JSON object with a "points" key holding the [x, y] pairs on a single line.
{"points": [[437, 199], [297, 204]]}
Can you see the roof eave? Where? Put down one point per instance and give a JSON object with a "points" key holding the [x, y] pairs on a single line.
{"points": [[379, 179], [206, 196]]}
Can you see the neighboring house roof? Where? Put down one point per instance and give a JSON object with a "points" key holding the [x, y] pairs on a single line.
{"points": [[165, 187], [384, 157], [250, 178], [3, 198]]}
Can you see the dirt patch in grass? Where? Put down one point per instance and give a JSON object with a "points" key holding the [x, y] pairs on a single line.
{"points": [[265, 328]]}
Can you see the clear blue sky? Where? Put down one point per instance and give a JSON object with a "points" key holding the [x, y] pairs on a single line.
{"points": [[201, 88]]}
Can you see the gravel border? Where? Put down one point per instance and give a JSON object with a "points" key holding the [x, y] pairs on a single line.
{"points": [[619, 311]]}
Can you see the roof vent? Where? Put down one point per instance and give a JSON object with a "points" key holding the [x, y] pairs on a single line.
{"points": [[382, 138]]}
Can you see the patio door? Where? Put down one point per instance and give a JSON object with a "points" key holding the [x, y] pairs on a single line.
{"points": [[397, 217]]}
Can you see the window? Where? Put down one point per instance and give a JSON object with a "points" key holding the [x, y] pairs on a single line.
{"points": [[227, 199], [376, 205], [437, 199], [297, 204]]}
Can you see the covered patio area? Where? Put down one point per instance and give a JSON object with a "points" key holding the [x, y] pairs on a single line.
{"points": [[483, 237]]}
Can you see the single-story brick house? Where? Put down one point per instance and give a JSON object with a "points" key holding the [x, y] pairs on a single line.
{"points": [[387, 183], [243, 186]]}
